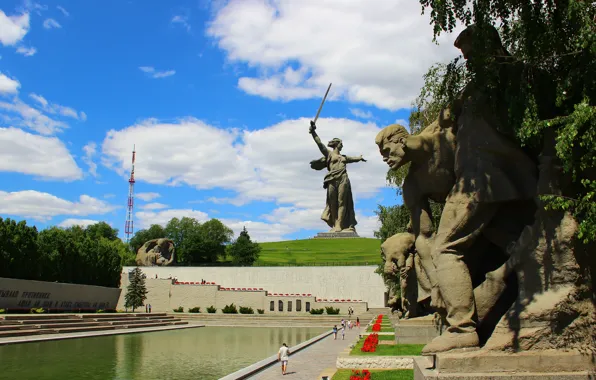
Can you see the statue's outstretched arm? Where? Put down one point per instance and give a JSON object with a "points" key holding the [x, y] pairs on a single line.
{"points": [[318, 141], [350, 159]]}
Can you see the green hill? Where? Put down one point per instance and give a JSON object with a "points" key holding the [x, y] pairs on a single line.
{"points": [[359, 251]]}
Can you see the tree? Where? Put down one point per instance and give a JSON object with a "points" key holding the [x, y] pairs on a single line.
{"points": [[136, 293], [18, 250], [186, 235], [551, 90], [243, 251], [214, 237]]}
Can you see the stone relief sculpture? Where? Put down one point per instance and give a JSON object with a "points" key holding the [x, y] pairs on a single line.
{"points": [[156, 252], [492, 214], [339, 210]]}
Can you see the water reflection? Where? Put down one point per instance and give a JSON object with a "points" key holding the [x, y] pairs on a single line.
{"points": [[203, 353]]}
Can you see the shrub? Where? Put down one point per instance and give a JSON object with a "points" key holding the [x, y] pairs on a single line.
{"points": [[99, 311], [246, 310], [317, 311], [260, 311], [2, 311], [332, 310], [357, 375], [37, 311], [180, 309], [211, 309], [194, 310], [230, 309]]}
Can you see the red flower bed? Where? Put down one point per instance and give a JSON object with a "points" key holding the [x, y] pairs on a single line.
{"points": [[370, 343], [376, 327], [357, 375]]}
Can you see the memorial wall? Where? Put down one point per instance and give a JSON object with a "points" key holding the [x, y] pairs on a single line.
{"points": [[332, 282], [28, 294]]}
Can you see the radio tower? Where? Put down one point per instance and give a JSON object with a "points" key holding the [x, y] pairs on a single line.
{"points": [[129, 225]]}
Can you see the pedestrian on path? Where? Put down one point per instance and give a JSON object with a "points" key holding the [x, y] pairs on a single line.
{"points": [[357, 322], [283, 357], [343, 332], [335, 332]]}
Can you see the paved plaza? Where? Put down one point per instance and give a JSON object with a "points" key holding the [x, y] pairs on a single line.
{"points": [[309, 363]]}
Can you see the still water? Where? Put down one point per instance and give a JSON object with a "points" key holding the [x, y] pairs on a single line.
{"points": [[200, 353]]}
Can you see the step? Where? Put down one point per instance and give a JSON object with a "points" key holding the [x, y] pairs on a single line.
{"points": [[124, 323], [116, 319], [13, 327], [48, 320], [6, 334], [160, 317], [82, 329], [150, 314], [153, 324], [66, 325], [37, 317], [107, 315], [177, 323]]}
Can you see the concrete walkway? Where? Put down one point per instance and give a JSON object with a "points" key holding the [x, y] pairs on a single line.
{"points": [[310, 362]]}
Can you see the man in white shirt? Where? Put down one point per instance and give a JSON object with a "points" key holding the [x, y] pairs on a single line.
{"points": [[283, 356]]}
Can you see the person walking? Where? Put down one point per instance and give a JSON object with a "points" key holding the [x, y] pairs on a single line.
{"points": [[335, 332], [283, 357], [357, 322], [343, 332]]}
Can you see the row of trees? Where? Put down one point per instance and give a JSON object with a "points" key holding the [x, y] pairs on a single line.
{"points": [[201, 243], [91, 255], [94, 255]]}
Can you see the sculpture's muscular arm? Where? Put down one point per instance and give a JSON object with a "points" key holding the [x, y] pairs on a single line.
{"points": [[351, 159], [320, 144]]}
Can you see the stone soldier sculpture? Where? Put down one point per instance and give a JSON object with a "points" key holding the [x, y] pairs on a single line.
{"points": [[339, 210], [490, 170]]}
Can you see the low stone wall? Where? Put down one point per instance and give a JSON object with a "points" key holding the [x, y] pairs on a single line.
{"points": [[164, 296], [28, 294], [374, 362]]}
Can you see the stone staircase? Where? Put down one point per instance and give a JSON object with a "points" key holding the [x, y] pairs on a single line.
{"points": [[271, 320], [23, 325]]}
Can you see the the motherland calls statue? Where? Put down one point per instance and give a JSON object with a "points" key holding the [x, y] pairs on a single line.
{"points": [[339, 212], [156, 252], [490, 213]]}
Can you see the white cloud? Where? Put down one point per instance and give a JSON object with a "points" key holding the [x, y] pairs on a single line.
{"points": [[373, 54], [147, 218], [156, 73], [30, 117], [26, 51], [182, 20], [58, 109], [46, 157], [147, 197], [270, 164], [77, 222], [13, 28], [361, 114], [64, 11], [50, 23], [154, 206], [8, 85], [90, 150], [44, 206]]}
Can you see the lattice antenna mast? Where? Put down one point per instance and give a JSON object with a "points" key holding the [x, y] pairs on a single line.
{"points": [[129, 225]]}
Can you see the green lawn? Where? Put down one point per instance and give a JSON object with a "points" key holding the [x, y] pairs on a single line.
{"points": [[394, 374], [389, 350], [386, 337], [383, 329], [321, 252]]}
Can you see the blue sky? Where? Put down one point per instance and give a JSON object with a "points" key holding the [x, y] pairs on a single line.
{"points": [[216, 96]]}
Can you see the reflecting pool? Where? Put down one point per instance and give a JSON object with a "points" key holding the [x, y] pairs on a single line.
{"points": [[197, 353]]}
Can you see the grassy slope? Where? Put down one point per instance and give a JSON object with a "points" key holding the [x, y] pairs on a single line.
{"points": [[321, 252]]}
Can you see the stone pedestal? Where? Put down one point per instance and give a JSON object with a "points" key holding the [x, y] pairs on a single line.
{"points": [[534, 365], [420, 330], [337, 235]]}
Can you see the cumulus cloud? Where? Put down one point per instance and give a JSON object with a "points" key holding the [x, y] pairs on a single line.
{"points": [[154, 206], [8, 85], [26, 51], [181, 20], [50, 23], [373, 54], [57, 109], [153, 73], [361, 114], [64, 11], [77, 222], [43, 207], [147, 197], [90, 150], [13, 28], [46, 157]]}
